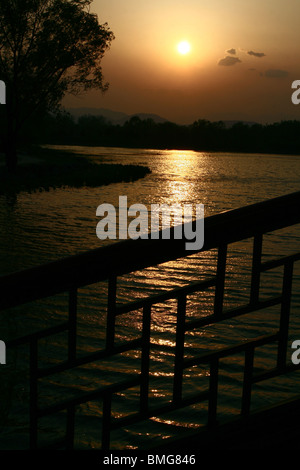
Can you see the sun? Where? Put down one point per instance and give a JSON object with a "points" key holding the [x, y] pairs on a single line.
{"points": [[183, 47]]}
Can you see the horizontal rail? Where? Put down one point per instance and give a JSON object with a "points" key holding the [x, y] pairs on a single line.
{"points": [[88, 396], [171, 294], [276, 263], [89, 358], [230, 350], [159, 410], [127, 256], [232, 313], [275, 372], [38, 335]]}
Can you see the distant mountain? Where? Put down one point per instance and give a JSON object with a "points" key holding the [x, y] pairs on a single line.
{"points": [[115, 117], [154, 117], [118, 117]]}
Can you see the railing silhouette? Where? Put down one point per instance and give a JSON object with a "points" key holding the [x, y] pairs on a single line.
{"points": [[112, 261]]}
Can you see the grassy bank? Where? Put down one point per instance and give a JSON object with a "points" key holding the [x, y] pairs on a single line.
{"points": [[44, 169]]}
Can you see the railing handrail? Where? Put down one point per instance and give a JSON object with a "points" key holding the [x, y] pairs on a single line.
{"points": [[127, 256], [107, 264]]}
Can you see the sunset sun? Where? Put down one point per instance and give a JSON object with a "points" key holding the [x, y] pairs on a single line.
{"points": [[183, 47]]}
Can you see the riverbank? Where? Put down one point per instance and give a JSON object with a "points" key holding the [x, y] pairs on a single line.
{"points": [[44, 169]]}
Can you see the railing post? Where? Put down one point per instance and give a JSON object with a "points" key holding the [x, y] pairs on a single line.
{"points": [[213, 393], [33, 400], [106, 421], [179, 351], [70, 428], [220, 282], [72, 325], [285, 314], [255, 274], [247, 383], [145, 360], [111, 312]]}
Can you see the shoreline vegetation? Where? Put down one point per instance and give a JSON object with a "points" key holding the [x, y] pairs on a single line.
{"points": [[202, 135], [44, 169]]}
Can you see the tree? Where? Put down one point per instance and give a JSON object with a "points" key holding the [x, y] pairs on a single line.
{"points": [[48, 48]]}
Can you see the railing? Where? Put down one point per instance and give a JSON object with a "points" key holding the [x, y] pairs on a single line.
{"points": [[112, 261]]}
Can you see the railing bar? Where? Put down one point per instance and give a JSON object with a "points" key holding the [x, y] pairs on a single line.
{"points": [[159, 410], [285, 314], [224, 352], [179, 349], [247, 382], [213, 392], [80, 361], [106, 425], [145, 359], [220, 282], [70, 431], [235, 312], [255, 274], [58, 443], [88, 396], [111, 312], [38, 335], [72, 339], [172, 294], [167, 348], [269, 374], [275, 263], [33, 397], [189, 325]]}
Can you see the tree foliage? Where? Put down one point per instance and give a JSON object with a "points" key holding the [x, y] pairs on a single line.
{"points": [[48, 48], [202, 135]]}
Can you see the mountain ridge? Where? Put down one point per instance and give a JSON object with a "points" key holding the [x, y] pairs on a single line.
{"points": [[119, 117]]}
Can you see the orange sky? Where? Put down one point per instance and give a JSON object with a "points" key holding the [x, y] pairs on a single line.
{"points": [[244, 57]]}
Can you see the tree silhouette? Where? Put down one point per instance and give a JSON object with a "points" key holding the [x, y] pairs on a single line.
{"points": [[47, 48]]}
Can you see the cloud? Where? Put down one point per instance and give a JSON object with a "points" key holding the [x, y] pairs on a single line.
{"points": [[231, 51], [272, 73], [228, 60], [256, 54]]}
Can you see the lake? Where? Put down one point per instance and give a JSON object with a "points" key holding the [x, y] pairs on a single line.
{"points": [[48, 225]]}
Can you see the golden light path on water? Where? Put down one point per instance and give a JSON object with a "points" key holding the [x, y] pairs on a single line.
{"points": [[44, 226]]}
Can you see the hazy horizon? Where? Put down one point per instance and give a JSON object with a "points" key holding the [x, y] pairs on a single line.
{"points": [[123, 116]]}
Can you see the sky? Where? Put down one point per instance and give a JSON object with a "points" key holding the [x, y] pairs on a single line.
{"points": [[244, 56]]}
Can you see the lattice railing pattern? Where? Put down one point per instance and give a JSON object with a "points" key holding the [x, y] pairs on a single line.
{"points": [[103, 264]]}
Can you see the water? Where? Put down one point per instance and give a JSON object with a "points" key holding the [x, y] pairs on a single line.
{"points": [[44, 226]]}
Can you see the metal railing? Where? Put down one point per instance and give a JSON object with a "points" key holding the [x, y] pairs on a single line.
{"points": [[110, 262]]}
